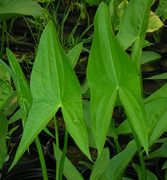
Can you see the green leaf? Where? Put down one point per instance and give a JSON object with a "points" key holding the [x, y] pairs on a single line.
{"points": [[112, 131], [133, 23], [154, 22], [112, 74], [4, 74], [164, 165], [100, 165], [121, 8], [159, 128], [119, 163], [124, 128], [3, 132], [48, 132], [159, 76], [156, 111], [162, 9], [149, 57], [22, 87], [113, 12], [16, 8], [160, 152], [11, 105], [70, 172], [16, 116], [54, 85], [149, 175], [94, 2], [74, 53], [5, 92], [87, 118], [160, 93]]}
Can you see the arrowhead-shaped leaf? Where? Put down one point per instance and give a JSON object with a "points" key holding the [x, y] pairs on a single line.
{"points": [[111, 74], [133, 27], [54, 85], [162, 9], [134, 22]]}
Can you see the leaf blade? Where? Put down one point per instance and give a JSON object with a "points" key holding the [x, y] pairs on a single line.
{"points": [[54, 85], [117, 76]]}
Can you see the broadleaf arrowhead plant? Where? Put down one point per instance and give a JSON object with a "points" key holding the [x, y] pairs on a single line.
{"points": [[111, 74]]}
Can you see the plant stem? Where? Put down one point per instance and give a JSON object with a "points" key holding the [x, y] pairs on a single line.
{"points": [[30, 30], [56, 132], [41, 157], [2, 41], [57, 143], [140, 156], [63, 155], [117, 145]]}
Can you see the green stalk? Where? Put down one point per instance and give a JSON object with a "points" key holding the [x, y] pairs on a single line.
{"points": [[57, 143], [41, 157], [7, 41], [2, 41], [141, 82], [63, 155], [57, 6], [65, 15], [117, 145], [56, 131], [82, 8], [143, 166], [30, 30], [158, 39]]}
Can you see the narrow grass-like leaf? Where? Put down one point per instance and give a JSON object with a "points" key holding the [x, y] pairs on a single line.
{"points": [[112, 74], [3, 132], [54, 85], [22, 87]]}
